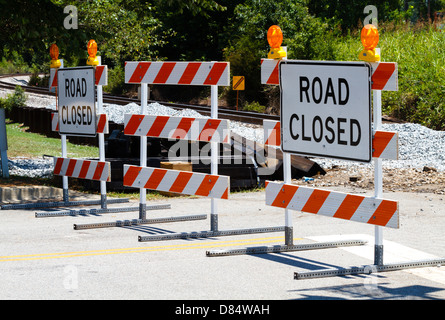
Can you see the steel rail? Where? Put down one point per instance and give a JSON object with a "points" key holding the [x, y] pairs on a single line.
{"points": [[224, 113]]}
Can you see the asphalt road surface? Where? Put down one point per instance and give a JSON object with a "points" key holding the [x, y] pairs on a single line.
{"points": [[45, 258]]}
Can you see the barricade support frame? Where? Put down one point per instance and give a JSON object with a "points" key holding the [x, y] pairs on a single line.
{"points": [[142, 76]]}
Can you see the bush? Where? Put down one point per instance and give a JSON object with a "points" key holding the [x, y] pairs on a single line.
{"points": [[38, 81], [116, 81], [16, 99], [305, 36], [254, 106]]}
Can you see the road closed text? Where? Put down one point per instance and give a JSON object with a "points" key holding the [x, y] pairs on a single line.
{"points": [[77, 101], [326, 109], [342, 131], [80, 115]]}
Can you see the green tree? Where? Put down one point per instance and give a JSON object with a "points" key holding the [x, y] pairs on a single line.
{"points": [[29, 27], [349, 13], [305, 36]]}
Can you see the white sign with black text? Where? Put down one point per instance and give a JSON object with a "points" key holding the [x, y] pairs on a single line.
{"points": [[77, 101], [326, 109]]}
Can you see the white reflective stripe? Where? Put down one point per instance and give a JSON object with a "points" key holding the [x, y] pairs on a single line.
{"points": [[272, 190], [331, 204], [193, 184], [299, 199], [168, 180]]}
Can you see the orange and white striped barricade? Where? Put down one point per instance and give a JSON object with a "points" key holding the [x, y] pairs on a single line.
{"points": [[340, 205], [184, 128], [157, 72], [270, 72], [384, 75], [385, 144], [82, 169], [211, 74], [75, 168], [383, 213], [178, 73], [101, 79], [52, 79], [102, 123], [183, 182]]}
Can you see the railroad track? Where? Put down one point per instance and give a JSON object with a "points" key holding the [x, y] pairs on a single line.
{"points": [[223, 113]]}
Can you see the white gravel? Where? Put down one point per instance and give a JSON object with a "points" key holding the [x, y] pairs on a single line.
{"points": [[418, 145]]}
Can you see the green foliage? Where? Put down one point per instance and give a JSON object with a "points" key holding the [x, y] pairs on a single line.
{"points": [[254, 106], [14, 100], [123, 30], [349, 14], [12, 62], [116, 81], [420, 55], [234, 31], [305, 36]]}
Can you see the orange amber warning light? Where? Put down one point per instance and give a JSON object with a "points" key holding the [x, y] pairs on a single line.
{"points": [[370, 38], [275, 38], [92, 51], [54, 53]]}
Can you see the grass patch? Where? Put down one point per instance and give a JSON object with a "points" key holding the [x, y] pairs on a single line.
{"points": [[27, 144]]}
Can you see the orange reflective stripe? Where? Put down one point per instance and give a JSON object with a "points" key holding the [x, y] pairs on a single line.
{"points": [[155, 178], [383, 213], [348, 207], [84, 169], [71, 166], [380, 141], [315, 201], [131, 175], [206, 185], [284, 196], [181, 181]]}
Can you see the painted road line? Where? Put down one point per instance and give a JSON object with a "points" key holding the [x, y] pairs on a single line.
{"points": [[188, 246]]}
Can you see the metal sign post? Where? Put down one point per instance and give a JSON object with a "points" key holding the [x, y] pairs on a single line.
{"points": [[384, 78], [214, 158], [101, 137], [4, 144], [378, 265]]}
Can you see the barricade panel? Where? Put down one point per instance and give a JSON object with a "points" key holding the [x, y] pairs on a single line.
{"points": [[340, 205], [184, 182], [178, 73]]}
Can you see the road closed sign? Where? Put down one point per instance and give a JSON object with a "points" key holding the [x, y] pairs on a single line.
{"points": [[326, 109], [76, 101]]}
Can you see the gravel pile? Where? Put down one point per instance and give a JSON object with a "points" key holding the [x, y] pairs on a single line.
{"points": [[116, 114], [419, 146], [33, 168]]}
